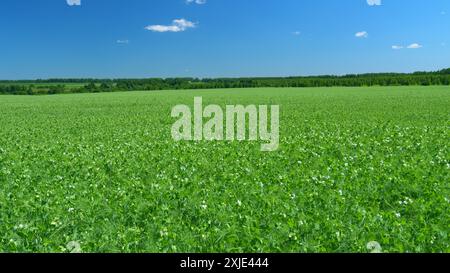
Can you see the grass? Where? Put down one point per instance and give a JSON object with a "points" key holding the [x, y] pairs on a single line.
{"points": [[100, 171]]}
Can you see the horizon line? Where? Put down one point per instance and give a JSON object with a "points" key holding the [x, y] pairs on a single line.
{"points": [[223, 77]]}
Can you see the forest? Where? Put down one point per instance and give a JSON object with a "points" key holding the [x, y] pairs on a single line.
{"points": [[61, 86]]}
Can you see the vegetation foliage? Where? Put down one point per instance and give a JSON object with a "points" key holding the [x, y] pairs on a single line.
{"points": [[59, 86]]}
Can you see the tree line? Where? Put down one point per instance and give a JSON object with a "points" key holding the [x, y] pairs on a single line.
{"points": [[61, 86]]}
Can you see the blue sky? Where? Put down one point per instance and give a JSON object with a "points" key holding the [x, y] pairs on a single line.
{"points": [[220, 38]]}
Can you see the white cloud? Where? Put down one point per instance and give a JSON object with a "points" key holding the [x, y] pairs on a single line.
{"points": [[73, 2], [414, 46], [178, 25], [374, 2], [362, 34], [200, 2], [296, 33], [411, 46], [123, 42]]}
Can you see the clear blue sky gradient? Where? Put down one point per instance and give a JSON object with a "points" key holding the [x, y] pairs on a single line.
{"points": [[233, 38]]}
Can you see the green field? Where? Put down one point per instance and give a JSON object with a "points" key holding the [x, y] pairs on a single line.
{"points": [[355, 165]]}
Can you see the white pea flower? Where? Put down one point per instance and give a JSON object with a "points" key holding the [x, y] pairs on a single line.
{"points": [[374, 247], [74, 247]]}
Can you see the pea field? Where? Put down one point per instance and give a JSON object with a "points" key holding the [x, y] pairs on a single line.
{"points": [[356, 167]]}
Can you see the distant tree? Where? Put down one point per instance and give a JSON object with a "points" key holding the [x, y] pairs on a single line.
{"points": [[55, 86], [56, 89], [91, 87], [105, 87]]}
